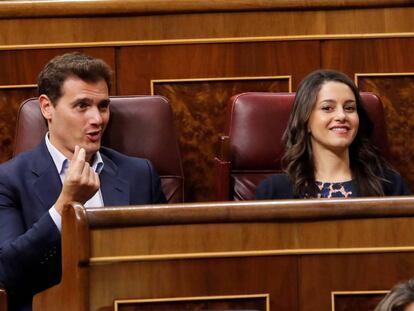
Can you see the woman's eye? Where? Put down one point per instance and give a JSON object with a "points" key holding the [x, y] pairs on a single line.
{"points": [[350, 108], [327, 108]]}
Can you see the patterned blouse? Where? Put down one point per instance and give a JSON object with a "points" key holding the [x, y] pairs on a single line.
{"points": [[335, 189]]}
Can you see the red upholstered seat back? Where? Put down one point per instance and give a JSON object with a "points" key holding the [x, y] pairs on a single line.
{"points": [[139, 126], [255, 125]]}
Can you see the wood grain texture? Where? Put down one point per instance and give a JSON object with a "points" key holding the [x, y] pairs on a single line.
{"points": [[249, 24], [198, 277], [23, 66], [261, 211], [368, 55], [19, 8], [3, 300], [198, 112], [350, 273], [75, 274], [199, 106], [10, 100], [357, 301], [196, 303], [376, 56], [396, 95], [304, 280]]}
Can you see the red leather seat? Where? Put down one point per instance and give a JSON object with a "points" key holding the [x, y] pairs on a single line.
{"points": [[251, 148], [140, 126]]}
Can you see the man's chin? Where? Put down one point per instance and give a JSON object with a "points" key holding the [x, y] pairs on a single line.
{"points": [[91, 149]]}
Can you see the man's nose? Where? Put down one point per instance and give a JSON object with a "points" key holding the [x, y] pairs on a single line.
{"points": [[95, 116]]}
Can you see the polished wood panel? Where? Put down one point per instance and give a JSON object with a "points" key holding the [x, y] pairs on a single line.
{"points": [[268, 25], [378, 56], [199, 106], [3, 300], [198, 112], [368, 55], [396, 93], [140, 64], [350, 272], [23, 66], [19, 8], [245, 302], [10, 100], [357, 300], [346, 249], [198, 277]]}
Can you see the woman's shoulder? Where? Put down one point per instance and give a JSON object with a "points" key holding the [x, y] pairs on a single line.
{"points": [[394, 183], [276, 186]]}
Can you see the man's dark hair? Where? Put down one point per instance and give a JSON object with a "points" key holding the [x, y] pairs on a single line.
{"points": [[57, 70]]}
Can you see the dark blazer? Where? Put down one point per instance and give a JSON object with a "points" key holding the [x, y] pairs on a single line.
{"points": [[278, 186], [30, 248]]}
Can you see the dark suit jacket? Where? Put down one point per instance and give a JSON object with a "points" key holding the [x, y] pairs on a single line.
{"points": [[30, 248], [278, 186]]}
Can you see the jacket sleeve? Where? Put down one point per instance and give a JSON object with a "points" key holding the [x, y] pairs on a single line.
{"points": [[157, 195], [276, 186], [30, 258]]}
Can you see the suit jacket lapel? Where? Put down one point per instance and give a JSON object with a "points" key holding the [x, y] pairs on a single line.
{"points": [[47, 185], [115, 191]]}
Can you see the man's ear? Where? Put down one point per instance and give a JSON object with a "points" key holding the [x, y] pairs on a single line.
{"points": [[46, 107]]}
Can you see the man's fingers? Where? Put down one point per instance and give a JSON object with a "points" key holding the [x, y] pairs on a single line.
{"points": [[77, 164], [75, 153], [81, 154], [85, 172]]}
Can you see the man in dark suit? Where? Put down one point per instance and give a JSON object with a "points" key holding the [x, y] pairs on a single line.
{"points": [[68, 165]]}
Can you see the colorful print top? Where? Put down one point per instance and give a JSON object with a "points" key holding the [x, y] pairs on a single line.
{"points": [[335, 189]]}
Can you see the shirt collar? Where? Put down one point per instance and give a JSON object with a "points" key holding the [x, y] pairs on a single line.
{"points": [[62, 163]]}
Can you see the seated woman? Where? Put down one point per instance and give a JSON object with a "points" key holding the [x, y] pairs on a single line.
{"points": [[400, 298], [328, 150]]}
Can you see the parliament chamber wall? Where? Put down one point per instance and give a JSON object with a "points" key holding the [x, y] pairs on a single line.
{"points": [[199, 53]]}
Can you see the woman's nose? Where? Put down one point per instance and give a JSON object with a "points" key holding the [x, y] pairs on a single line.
{"points": [[340, 114]]}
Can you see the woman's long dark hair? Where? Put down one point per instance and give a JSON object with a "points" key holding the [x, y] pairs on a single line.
{"points": [[366, 165], [400, 297]]}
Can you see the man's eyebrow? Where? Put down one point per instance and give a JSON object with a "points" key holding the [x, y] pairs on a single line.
{"points": [[105, 101], [81, 100]]}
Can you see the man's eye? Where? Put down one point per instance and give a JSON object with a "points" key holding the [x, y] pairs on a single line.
{"points": [[103, 107], [82, 105]]}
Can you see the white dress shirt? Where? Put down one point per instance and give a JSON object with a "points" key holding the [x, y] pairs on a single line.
{"points": [[62, 164]]}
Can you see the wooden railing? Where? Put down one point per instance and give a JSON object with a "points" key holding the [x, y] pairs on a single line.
{"points": [[3, 300], [38, 8], [301, 250]]}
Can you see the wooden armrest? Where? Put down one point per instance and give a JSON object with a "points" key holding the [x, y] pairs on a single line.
{"points": [[3, 299], [223, 153]]}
